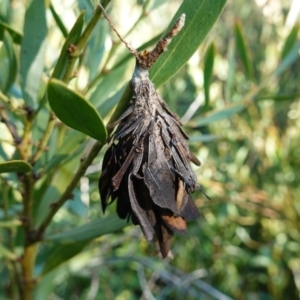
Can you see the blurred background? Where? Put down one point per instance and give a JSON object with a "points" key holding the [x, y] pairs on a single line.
{"points": [[238, 98]]}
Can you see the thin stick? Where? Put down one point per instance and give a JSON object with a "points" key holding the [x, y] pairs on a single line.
{"points": [[131, 49]]}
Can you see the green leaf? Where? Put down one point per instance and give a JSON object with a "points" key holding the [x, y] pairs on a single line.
{"points": [[204, 138], [62, 253], [8, 63], [280, 97], [70, 243], [200, 17], [58, 21], [105, 87], [60, 180], [33, 51], [19, 166], [218, 115], [72, 38], [292, 56], [208, 69], [75, 111], [73, 142], [110, 102], [16, 35], [90, 230], [231, 70], [290, 41], [243, 49]]}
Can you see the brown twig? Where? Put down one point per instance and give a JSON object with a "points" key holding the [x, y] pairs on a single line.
{"points": [[69, 189]]}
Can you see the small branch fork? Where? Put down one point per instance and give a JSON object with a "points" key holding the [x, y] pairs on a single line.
{"points": [[145, 58]]}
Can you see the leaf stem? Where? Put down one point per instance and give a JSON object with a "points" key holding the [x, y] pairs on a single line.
{"points": [[29, 255], [44, 141], [12, 267], [26, 139]]}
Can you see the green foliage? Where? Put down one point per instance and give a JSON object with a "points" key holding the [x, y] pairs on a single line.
{"points": [[239, 100], [75, 111], [19, 166]]}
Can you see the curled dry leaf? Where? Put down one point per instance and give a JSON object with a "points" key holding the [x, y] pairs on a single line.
{"points": [[147, 165]]}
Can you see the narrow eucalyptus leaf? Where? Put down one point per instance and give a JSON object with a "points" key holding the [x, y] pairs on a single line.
{"points": [[60, 254], [215, 116], [208, 71], [291, 57], [90, 230], [243, 49], [290, 41], [200, 17], [16, 35]]}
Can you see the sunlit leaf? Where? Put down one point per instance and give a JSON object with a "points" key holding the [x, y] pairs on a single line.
{"points": [[75, 111]]}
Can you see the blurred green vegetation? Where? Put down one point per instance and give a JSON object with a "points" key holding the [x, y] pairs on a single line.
{"points": [[238, 97]]}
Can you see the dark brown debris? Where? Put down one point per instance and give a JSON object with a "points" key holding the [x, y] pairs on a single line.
{"points": [[146, 168]]}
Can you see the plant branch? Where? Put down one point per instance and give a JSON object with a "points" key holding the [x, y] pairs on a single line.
{"points": [[68, 191], [11, 128], [68, 75], [76, 50], [26, 139], [44, 141], [121, 107], [13, 270]]}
